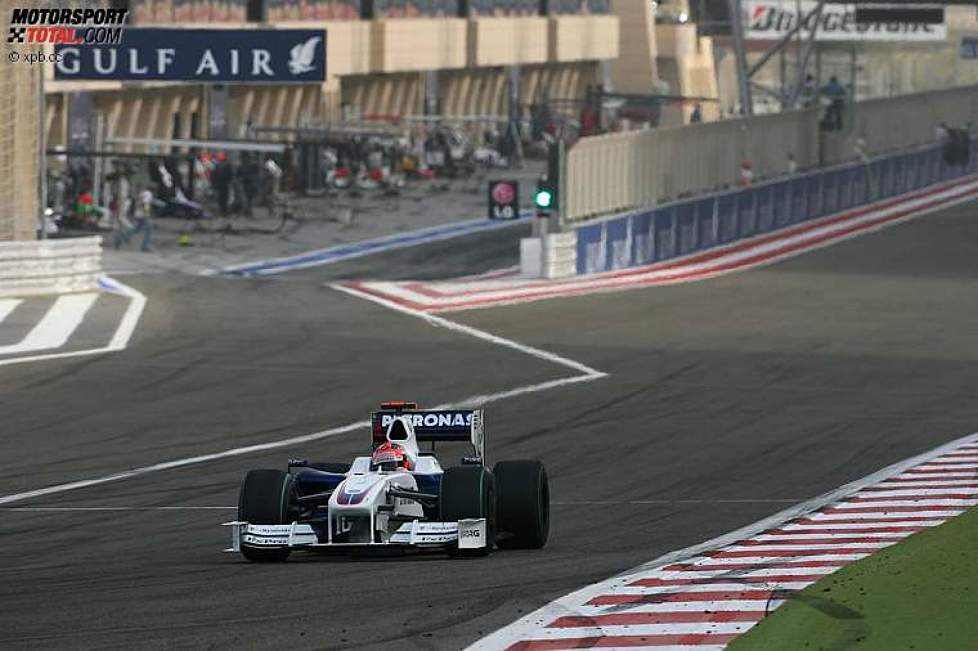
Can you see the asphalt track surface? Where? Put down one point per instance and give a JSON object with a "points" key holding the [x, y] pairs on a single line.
{"points": [[727, 400]]}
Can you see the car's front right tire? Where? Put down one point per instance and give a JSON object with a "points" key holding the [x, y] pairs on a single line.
{"points": [[523, 502], [267, 497]]}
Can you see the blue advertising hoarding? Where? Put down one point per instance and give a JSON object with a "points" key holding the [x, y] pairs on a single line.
{"points": [[590, 249], [727, 216], [618, 235], [707, 225], [782, 203], [686, 227], [969, 47], [746, 212], [665, 233], [643, 238], [200, 55]]}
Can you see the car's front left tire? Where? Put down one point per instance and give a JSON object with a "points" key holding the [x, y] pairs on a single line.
{"points": [[469, 492]]}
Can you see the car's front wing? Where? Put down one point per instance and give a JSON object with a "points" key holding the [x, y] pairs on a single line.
{"points": [[467, 534]]}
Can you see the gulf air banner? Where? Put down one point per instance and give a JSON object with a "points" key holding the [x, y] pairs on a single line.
{"points": [[769, 20], [199, 55]]}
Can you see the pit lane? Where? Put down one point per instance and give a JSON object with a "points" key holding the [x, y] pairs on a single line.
{"points": [[726, 400]]}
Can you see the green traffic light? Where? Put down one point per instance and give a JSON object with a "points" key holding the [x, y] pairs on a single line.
{"points": [[544, 198]]}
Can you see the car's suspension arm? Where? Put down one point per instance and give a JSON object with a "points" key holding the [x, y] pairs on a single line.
{"points": [[424, 498]]}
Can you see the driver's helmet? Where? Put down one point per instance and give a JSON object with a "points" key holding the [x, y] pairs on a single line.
{"points": [[389, 457]]}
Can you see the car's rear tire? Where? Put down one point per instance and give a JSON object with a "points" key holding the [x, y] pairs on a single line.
{"points": [[523, 504], [267, 497], [469, 492]]}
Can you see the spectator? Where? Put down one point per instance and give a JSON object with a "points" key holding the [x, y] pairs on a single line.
{"points": [[941, 133], [746, 174], [222, 179], [808, 91], [250, 174], [697, 115], [836, 94], [860, 149], [142, 214], [589, 122], [792, 163]]}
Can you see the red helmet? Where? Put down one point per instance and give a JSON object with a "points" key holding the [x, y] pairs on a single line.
{"points": [[390, 456]]}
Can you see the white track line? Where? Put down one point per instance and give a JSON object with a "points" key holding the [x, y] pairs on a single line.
{"points": [[56, 326], [8, 305], [86, 509], [589, 374], [644, 629], [441, 322], [120, 339]]}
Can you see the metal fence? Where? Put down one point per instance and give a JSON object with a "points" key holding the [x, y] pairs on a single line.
{"points": [[626, 171], [892, 124], [686, 227]]}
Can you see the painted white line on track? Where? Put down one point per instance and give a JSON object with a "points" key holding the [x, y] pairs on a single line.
{"points": [[802, 546], [441, 322], [676, 501], [800, 539], [761, 558], [856, 526], [589, 374], [120, 339], [920, 501], [8, 305], [882, 515], [917, 493], [86, 509], [640, 629], [731, 586], [56, 326]]}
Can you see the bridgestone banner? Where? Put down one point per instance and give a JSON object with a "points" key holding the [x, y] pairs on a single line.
{"points": [[769, 20]]}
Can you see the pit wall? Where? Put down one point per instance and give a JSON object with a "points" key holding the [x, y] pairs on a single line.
{"points": [[50, 266], [686, 227]]}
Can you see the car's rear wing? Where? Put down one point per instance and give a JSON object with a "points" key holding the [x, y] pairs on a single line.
{"points": [[435, 425]]}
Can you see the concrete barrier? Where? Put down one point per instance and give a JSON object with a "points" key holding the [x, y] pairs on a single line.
{"points": [[559, 257], [50, 266]]}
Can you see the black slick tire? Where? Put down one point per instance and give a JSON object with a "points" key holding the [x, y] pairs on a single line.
{"points": [[523, 504], [267, 497], [469, 492]]}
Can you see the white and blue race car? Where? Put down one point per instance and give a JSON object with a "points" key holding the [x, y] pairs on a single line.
{"points": [[397, 498]]}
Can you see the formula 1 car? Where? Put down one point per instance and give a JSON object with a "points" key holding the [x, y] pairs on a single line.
{"points": [[398, 498]]}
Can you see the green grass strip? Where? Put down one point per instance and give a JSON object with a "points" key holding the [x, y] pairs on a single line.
{"points": [[921, 593]]}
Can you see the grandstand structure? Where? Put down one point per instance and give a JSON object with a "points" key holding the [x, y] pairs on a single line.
{"points": [[386, 59], [19, 144]]}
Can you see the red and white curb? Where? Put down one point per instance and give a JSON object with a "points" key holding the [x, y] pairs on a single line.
{"points": [[704, 597], [488, 291]]}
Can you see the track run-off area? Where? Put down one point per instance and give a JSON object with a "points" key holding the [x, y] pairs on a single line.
{"points": [[666, 415]]}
